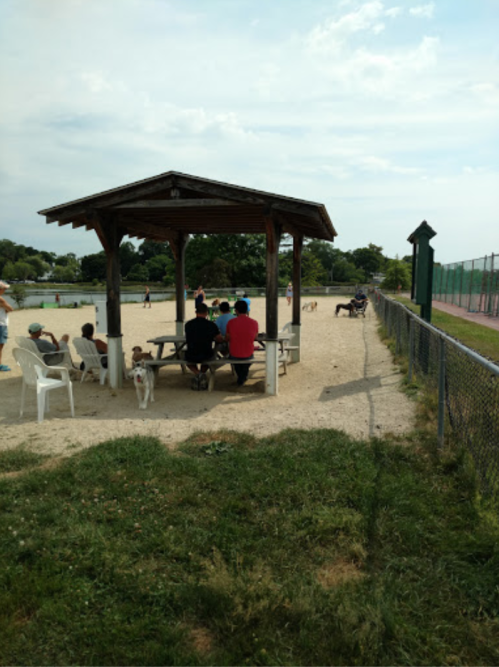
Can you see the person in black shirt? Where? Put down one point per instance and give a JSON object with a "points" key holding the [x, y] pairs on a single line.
{"points": [[200, 334]]}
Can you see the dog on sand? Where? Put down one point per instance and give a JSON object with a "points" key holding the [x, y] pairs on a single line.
{"points": [[345, 306], [143, 379], [139, 355], [310, 306]]}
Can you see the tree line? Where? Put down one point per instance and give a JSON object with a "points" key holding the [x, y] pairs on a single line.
{"points": [[212, 261]]}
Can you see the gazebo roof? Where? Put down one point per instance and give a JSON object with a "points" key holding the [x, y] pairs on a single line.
{"points": [[157, 208]]}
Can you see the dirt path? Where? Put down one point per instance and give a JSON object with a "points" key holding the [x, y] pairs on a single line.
{"points": [[345, 380]]}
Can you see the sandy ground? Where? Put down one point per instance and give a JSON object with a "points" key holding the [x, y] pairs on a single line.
{"points": [[345, 380]]}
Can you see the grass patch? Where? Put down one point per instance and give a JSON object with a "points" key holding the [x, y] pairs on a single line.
{"points": [[307, 548], [19, 458], [477, 336]]}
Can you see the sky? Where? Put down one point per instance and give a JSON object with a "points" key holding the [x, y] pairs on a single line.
{"points": [[385, 112]]}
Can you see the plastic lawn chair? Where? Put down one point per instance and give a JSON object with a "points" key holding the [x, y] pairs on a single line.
{"points": [[35, 373]]}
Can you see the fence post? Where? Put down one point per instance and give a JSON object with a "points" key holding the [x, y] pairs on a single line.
{"points": [[411, 349], [461, 285], [471, 285], [441, 394], [397, 333], [488, 307]]}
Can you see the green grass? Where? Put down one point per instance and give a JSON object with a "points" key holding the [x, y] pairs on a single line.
{"points": [[13, 460], [480, 338], [307, 548]]}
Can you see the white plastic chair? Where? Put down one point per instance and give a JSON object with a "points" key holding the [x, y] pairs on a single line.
{"points": [[91, 358], [28, 344], [35, 376]]}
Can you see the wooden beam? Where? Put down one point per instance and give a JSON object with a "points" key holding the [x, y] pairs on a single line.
{"points": [[297, 253], [274, 231], [109, 198], [178, 245], [175, 203], [146, 229]]}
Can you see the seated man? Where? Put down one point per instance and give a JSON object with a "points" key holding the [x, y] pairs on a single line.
{"points": [[200, 335], [87, 331], [241, 333], [35, 331], [221, 323], [360, 300]]}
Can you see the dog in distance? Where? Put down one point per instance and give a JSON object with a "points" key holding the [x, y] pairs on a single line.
{"points": [[139, 355], [143, 379], [310, 306]]}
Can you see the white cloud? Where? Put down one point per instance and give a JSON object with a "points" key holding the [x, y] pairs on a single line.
{"points": [[423, 11], [382, 165], [393, 12], [332, 34]]}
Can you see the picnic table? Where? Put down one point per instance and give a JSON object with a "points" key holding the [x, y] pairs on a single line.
{"points": [[179, 342]]}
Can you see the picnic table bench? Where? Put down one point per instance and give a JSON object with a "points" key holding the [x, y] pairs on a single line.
{"points": [[177, 358]]}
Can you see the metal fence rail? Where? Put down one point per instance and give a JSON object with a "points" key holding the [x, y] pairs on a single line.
{"points": [[473, 284], [467, 385]]}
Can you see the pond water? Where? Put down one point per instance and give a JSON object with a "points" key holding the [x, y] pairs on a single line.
{"points": [[36, 297]]}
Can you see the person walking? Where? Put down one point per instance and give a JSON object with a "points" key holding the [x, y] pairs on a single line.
{"points": [[289, 293], [147, 297], [5, 309]]}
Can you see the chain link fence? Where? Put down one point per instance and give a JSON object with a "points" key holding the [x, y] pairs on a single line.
{"points": [[466, 384], [473, 284]]}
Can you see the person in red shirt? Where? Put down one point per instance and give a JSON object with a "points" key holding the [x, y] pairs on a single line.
{"points": [[241, 333]]}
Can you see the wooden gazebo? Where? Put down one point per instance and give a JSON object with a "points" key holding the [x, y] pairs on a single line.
{"points": [[172, 206]]}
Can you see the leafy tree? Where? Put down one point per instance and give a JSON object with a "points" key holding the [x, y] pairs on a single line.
{"points": [[9, 271], [397, 273], [40, 268], [18, 294], [139, 273], [148, 249], [63, 274], [244, 253], [23, 270], [128, 257], [94, 266], [8, 254], [216, 274], [156, 267], [370, 260], [50, 257], [312, 271]]}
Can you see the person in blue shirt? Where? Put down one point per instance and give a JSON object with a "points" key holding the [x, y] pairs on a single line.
{"points": [[221, 323], [360, 299], [248, 301], [226, 315]]}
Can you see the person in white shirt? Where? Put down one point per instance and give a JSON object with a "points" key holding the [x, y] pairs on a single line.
{"points": [[5, 309]]}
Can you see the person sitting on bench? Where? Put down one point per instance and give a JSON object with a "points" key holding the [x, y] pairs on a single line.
{"points": [[241, 333], [200, 334]]}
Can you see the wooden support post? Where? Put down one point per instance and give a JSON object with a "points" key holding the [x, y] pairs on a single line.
{"points": [[274, 231], [178, 246], [110, 236], [296, 321]]}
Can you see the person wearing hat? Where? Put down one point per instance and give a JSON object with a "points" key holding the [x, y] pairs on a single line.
{"points": [[35, 331], [5, 309]]}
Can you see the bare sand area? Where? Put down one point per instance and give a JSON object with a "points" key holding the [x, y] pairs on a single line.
{"points": [[345, 380]]}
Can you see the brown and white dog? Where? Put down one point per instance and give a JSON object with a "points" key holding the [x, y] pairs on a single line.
{"points": [[138, 355], [216, 302], [310, 306], [143, 379]]}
